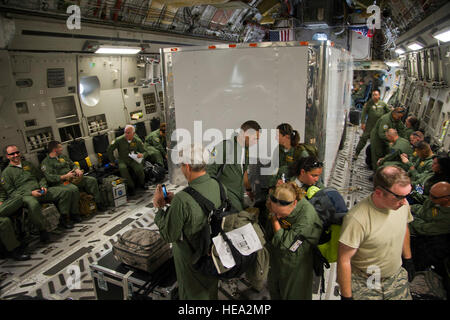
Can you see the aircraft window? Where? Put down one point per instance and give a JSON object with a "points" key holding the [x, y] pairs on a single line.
{"points": [[90, 90]]}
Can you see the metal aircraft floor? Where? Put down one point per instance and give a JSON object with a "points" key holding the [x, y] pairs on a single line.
{"points": [[50, 271]]}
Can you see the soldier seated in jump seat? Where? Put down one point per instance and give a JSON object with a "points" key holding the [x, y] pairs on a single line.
{"points": [[59, 170], [10, 207], [23, 179], [128, 145]]}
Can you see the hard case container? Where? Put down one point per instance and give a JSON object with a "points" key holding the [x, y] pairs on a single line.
{"points": [[114, 280]]}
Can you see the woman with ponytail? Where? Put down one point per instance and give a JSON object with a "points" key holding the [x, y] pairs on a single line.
{"points": [[291, 218], [289, 151]]}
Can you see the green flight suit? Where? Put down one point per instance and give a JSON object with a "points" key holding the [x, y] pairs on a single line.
{"points": [[158, 141], [414, 157], [429, 219], [379, 145], [54, 168], [305, 186], [360, 93], [422, 170], [154, 155], [393, 158], [291, 273], [21, 181], [232, 172], [8, 207], [373, 111], [287, 158], [8, 235], [124, 148], [408, 132], [181, 225]]}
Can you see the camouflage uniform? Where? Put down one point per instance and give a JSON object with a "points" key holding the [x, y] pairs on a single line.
{"points": [[395, 287]]}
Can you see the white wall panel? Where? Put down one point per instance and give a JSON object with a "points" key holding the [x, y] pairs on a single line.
{"points": [[224, 88]]}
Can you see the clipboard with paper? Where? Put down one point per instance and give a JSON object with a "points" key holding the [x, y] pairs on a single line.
{"points": [[134, 156]]}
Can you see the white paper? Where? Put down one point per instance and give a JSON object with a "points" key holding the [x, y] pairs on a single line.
{"points": [[244, 239], [134, 156]]}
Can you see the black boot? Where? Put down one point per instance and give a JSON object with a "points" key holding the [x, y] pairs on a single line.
{"points": [[101, 207], [19, 255], [76, 218], [65, 223], [44, 236]]}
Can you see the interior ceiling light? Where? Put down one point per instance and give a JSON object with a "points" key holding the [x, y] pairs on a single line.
{"points": [[415, 46], [392, 63], [443, 35], [117, 50], [320, 36], [399, 51]]}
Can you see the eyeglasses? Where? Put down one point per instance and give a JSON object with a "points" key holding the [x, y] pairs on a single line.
{"points": [[281, 202], [317, 164], [13, 153], [436, 198], [399, 197]]}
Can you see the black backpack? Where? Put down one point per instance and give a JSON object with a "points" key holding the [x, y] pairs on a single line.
{"points": [[153, 172], [203, 262]]}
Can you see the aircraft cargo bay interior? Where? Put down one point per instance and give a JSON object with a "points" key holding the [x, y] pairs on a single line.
{"points": [[224, 150]]}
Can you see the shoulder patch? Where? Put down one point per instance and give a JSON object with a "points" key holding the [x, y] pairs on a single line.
{"points": [[26, 168], [422, 164], [43, 168], [385, 127], [61, 160], [2, 181]]}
